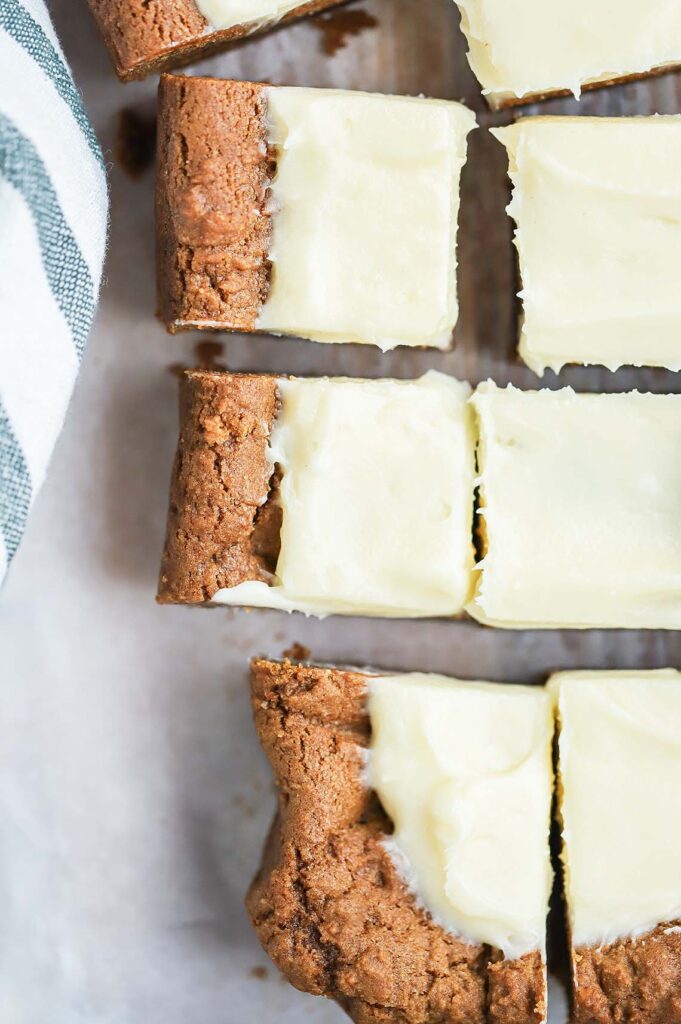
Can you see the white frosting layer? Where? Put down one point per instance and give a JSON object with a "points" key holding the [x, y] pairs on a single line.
{"points": [[597, 202], [620, 766], [227, 13], [464, 771], [365, 201], [528, 47], [582, 497], [377, 496]]}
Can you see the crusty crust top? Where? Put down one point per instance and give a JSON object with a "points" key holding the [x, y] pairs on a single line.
{"points": [[328, 904]]}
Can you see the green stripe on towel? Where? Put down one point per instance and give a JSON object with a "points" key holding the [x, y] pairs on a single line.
{"points": [[67, 272], [15, 487], [19, 24]]}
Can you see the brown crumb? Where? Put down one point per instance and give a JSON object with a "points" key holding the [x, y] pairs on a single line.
{"points": [[208, 353], [296, 652], [338, 26], [135, 141], [243, 805], [259, 972], [177, 369], [207, 357]]}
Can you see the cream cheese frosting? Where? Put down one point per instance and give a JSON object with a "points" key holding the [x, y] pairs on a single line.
{"points": [[365, 205], [377, 499], [525, 48], [597, 203], [581, 499], [221, 14], [464, 771], [620, 770]]}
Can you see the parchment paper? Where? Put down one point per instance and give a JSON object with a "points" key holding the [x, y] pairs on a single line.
{"points": [[133, 795]]}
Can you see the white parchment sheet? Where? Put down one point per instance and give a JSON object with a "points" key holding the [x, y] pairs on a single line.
{"points": [[133, 795]]}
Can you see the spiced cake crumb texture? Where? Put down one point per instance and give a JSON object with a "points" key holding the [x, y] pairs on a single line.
{"points": [[631, 981], [327, 903], [221, 528], [212, 227], [145, 37]]}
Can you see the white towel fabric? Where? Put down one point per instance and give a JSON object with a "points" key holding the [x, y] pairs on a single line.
{"points": [[53, 216]]}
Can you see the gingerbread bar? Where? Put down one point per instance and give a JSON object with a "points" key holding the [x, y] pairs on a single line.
{"points": [[370, 891], [527, 50], [323, 214], [597, 203], [620, 771], [580, 509], [148, 36], [327, 496]]}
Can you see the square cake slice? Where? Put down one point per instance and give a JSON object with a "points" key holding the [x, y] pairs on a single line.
{"points": [[327, 496], [620, 804], [319, 213], [148, 36], [407, 872], [597, 203], [580, 509], [525, 50]]}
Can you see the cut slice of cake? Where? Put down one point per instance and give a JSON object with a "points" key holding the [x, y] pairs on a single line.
{"points": [[148, 36], [324, 214], [525, 50], [597, 203], [620, 791], [407, 873], [328, 495], [580, 509]]}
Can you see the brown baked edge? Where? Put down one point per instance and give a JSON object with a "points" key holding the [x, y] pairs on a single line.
{"points": [[213, 228], [221, 528], [177, 55], [181, 328], [540, 97], [637, 980], [327, 903]]}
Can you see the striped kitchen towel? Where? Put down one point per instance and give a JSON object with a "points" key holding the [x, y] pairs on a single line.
{"points": [[53, 214]]}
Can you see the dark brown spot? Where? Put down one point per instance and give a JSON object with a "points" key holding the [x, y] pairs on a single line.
{"points": [[135, 141], [338, 26], [177, 369], [246, 809], [259, 972], [296, 652], [208, 353]]}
